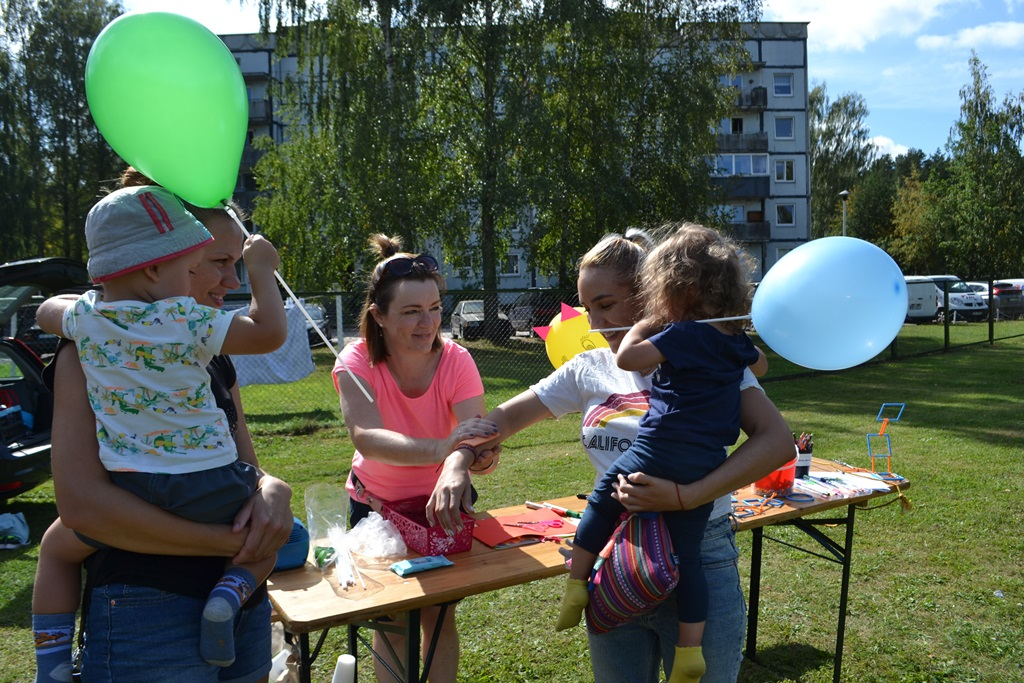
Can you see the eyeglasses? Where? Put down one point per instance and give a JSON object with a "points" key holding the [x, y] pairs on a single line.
{"points": [[400, 266]]}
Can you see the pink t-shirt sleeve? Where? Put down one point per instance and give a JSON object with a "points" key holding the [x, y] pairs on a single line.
{"points": [[427, 416]]}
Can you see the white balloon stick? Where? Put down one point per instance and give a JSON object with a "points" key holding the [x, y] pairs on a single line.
{"points": [[706, 320], [305, 313]]}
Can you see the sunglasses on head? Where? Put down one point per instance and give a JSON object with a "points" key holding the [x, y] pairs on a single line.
{"points": [[400, 266]]}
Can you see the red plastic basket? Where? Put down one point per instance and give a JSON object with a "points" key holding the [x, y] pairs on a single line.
{"points": [[411, 519]]}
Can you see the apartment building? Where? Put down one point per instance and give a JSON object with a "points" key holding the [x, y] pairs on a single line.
{"points": [[262, 71], [763, 162]]}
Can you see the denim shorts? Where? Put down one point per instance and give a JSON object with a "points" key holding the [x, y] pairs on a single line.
{"points": [[651, 639], [134, 633]]}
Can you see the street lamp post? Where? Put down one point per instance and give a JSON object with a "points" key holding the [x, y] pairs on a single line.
{"points": [[845, 194]]}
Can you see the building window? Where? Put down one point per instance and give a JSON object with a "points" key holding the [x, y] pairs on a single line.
{"points": [[784, 128], [784, 214], [784, 170], [741, 164], [783, 85], [732, 214], [734, 81], [510, 266], [737, 126]]}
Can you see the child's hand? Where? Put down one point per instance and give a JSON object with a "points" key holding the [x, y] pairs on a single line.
{"points": [[260, 254], [646, 328]]}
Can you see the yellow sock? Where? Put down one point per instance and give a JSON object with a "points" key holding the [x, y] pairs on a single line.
{"points": [[573, 603], [688, 665]]}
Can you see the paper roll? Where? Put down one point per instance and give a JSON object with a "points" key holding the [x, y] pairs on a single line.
{"points": [[345, 671]]}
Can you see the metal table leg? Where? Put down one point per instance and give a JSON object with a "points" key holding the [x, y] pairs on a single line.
{"points": [[840, 554]]}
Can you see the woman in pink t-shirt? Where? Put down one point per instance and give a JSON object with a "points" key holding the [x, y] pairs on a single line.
{"points": [[427, 400]]}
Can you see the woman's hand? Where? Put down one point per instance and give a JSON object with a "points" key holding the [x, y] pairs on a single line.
{"points": [[641, 492], [451, 491], [473, 432], [266, 518]]}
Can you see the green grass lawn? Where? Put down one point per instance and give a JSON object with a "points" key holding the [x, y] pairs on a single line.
{"points": [[937, 593]]}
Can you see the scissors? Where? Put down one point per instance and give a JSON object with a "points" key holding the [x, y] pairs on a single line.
{"points": [[541, 526]]}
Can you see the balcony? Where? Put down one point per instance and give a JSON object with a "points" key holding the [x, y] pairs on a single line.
{"points": [[756, 231], [742, 142], [250, 156], [744, 187], [255, 74], [260, 111], [754, 98]]}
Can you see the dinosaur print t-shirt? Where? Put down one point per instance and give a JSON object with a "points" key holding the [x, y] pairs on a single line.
{"points": [[145, 370]]}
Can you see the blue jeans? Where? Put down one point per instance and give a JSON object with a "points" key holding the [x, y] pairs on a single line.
{"points": [[134, 633], [633, 652]]}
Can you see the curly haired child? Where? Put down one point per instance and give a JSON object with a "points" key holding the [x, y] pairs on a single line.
{"points": [[692, 279]]}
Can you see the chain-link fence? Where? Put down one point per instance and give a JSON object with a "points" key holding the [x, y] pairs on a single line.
{"points": [[509, 354]]}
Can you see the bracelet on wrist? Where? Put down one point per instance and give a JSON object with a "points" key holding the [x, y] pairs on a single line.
{"points": [[472, 450], [679, 498]]}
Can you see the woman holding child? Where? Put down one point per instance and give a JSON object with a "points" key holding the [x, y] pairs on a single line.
{"points": [[592, 384], [145, 596]]}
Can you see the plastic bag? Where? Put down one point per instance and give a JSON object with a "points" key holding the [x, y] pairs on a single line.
{"points": [[326, 515], [327, 512], [375, 536]]}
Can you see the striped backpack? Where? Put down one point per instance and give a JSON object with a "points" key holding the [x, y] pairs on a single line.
{"points": [[634, 573]]}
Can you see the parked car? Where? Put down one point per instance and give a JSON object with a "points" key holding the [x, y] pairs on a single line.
{"points": [[1009, 301], [26, 406], [319, 316], [534, 308], [964, 303], [922, 300], [467, 321]]}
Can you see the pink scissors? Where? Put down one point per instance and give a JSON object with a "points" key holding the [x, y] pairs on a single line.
{"points": [[540, 526]]}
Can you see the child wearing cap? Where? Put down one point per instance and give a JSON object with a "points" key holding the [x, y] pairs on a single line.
{"points": [[144, 345]]}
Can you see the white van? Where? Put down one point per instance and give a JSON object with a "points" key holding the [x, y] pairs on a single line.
{"points": [[964, 303], [922, 299]]}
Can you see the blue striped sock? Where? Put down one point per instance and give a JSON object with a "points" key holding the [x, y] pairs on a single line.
{"points": [[54, 635], [217, 633]]}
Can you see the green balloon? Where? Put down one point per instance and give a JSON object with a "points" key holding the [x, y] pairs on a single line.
{"points": [[168, 96]]}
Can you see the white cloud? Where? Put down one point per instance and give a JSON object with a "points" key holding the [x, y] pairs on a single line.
{"points": [[842, 26], [886, 145], [1000, 34]]}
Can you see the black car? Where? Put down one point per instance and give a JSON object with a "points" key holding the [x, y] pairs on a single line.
{"points": [[319, 316], [26, 406], [534, 308]]}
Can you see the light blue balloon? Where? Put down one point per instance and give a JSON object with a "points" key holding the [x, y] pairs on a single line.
{"points": [[831, 303]]}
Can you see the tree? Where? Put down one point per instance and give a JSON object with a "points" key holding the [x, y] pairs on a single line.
{"points": [[916, 233], [981, 198], [840, 152], [871, 203], [52, 158], [627, 97], [474, 123]]}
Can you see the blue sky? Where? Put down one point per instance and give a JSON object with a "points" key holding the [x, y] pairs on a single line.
{"points": [[907, 58]]}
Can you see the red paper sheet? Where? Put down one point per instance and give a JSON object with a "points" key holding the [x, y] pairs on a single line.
{"points": [[494, 531]]}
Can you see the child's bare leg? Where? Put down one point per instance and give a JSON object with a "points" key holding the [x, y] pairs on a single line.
{"points": [[55, 598], [688, 666], [576, 596], [217, 632]]}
